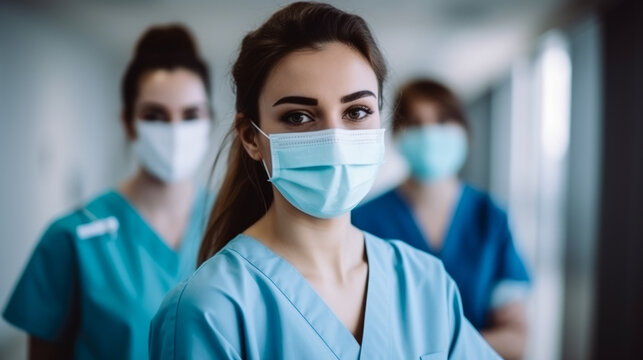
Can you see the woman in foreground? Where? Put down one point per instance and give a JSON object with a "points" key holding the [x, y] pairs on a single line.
{"points": [[284, 274]]}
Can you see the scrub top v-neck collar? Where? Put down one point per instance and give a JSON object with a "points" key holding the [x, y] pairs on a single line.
{"points": [[315, 310], [422, 240], [168, 258]]}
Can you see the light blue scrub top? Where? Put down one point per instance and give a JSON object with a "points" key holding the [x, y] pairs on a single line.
{"points": [[99, 289], [246, 302]]}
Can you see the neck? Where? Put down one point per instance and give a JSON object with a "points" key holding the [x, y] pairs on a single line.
{"points": [[316, 247], [153, 195], [430, 192]]}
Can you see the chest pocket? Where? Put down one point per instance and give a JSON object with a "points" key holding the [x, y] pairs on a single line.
{"points": [[440, 355]]}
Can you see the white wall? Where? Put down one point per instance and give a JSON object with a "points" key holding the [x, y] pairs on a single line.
{"points": [[59, 143]]}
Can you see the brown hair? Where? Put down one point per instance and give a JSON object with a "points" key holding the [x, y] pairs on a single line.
{"points": [[448, 104], [161, 47], [245, 193]]}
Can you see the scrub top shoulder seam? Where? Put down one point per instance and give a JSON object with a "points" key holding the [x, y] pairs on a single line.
{"points": [[176, 318]]}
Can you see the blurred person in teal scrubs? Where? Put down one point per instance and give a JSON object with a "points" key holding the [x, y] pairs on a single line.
{"points": [[284, 274], [100, 272], [434, 211]]}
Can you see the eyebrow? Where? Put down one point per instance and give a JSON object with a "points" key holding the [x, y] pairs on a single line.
{"points": [[154, 104], [357, 95], [302, 100]]}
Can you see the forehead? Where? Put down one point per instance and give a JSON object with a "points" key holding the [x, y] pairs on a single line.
{"points": [[423, 105], [172, 87], [330, 71]]}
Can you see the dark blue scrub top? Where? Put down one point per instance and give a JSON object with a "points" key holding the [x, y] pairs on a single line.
{"points": [[478, 250]]}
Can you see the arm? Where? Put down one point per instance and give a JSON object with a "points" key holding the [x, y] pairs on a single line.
{"points": [[507, 332], [44, 301], [41, 350]]}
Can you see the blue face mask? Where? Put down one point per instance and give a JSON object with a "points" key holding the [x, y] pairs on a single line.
{"points": [[434, 152], [325, 173]]}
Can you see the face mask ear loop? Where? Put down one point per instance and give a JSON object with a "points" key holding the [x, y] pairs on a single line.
{"points": [[266, 167], [261, 131], [262, 161]]}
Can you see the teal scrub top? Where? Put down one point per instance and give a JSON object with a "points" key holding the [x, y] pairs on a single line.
{"points": [[97, 277], [246, 302]]}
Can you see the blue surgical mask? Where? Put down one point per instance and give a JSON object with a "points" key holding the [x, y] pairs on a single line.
{"points": [[434, 152], [325, 173]]}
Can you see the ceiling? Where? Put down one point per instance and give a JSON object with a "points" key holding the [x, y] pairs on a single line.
{"points": [[467, 43]]}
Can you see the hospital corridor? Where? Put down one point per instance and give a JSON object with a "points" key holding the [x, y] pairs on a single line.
{"points": [[362, 179]]}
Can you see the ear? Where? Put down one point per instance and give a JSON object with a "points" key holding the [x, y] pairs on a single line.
{"points": [[249, 136], [130, 130]]}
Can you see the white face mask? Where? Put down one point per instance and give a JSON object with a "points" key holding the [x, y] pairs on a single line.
{"points": [[171, 151]]}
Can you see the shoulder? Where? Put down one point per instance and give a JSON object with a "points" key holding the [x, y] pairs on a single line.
{"points": [[69, 224], [207, 305], [195, 321], [218, 281], [43, 299], [57, 249], [485, 208], [383, 199], [63, 228], [482, 200], [85, 221], [376, 205]]}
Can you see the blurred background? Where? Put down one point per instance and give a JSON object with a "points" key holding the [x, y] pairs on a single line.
{"points": [[554, 90]]}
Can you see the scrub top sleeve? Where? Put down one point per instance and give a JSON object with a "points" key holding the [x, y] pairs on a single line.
{"points": [[44, 299], [466, 341], [511, 282], [182, 330]]}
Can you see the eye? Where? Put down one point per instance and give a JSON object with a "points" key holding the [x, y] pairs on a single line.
{"points": [[154, 115], [296, 118], [191, 114], [415, 121], [358, 113]]}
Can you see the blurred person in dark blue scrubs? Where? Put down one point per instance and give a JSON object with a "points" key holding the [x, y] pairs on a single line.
{"points": [[435, 211], [99, 272]]}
